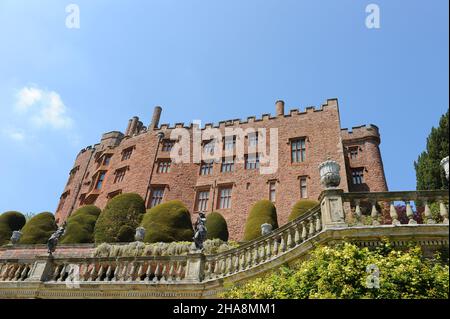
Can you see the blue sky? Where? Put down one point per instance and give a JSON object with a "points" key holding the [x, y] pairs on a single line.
{"points": [[61, 88]]}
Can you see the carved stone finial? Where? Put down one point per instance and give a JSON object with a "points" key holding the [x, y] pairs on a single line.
{"points": [[329, 174]]}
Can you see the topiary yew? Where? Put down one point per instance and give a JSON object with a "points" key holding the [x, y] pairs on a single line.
{"points": [[80, 225], [301, 207], [216, 226], [10, 221], [39, 229], [262, 212], [168, 222], [122, 210]]}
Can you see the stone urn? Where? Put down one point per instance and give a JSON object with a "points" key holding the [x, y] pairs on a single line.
{"points": [[140, 234], [15, 237], [266, 229], [329, 174], [444, 165]]}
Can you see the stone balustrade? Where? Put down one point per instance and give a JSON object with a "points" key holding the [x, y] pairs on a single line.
{"points": [[14, 270], [265, 248], [197, 275], [409, 199]]}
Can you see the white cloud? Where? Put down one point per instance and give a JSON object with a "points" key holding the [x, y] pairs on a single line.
{"points": [[14, 134], [45, 108]]}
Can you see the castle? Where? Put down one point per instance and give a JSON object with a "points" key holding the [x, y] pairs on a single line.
{"points": [[140, 161]]}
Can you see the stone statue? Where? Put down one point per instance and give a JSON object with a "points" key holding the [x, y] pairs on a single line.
{"points": [[16, 237], [53, 240], [140, 234], [200, 231], [444, 165], [266, 229]]}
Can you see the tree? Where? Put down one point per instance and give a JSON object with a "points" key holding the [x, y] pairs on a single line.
{"points": [[341, 272], [263, 212], [429, 174]]}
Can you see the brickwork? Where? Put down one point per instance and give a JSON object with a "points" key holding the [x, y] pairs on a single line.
{"points": [[320, 128]]}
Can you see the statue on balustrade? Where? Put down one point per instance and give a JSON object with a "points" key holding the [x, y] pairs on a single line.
{"points": [[200, 231], [53, 240]]}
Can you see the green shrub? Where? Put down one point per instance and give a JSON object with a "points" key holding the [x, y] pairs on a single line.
{"points": [[341, 273], [10, 221], [80, 225], [168, 222], [216, 226], [122, 210], [262, 212], [39, 229], [301, 207]]}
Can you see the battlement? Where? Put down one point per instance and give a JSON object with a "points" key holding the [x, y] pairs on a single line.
{"points": [[362, 131], [330, 104]]}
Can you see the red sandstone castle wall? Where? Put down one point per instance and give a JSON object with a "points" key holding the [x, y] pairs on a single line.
{"points": [[324, 139]]}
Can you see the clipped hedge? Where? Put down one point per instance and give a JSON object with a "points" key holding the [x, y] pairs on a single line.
{"points": [[38, 229], [168, 222], [262, 212], [301, 207], [216, 226], [123, 210], [80, 225], [10, 221]]}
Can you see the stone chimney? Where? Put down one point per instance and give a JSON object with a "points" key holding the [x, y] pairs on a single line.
{"points": [[127, 132], [279, 108], [133, 126], [155, 118]]}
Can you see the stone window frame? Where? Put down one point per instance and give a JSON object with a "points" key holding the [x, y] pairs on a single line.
{"points": [[357, 175], [303, 186], [228, 199], [272, 190], [206, 168], [114, 194], [119, 174], [202, 202], [353, 152], [99, 180], [72, 174], [227, 165], [62, 200], [127, 152], [167, 145], [300, 151], [251, 165], [163, 166], [159, 198]]}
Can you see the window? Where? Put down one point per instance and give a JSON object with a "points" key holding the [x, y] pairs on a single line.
{"points": [[202, 201], [272, 191], [72, 174], [206, 168], [208, 147], [62, 200], [230, 142], [358, 176], [107, 159], [114, 194], [100, 180], [167, 145], [298, 150], [156, 196], [252, 161], [353, 151], [120, 174], [227, 165], [253, 139], [164, 167], [126, 153], [303, 187], [225, 198]]}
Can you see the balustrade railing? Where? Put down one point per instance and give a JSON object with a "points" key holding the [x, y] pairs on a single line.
{"points": [[265, 248], [163, 269], [410, 199], [15, 270]]}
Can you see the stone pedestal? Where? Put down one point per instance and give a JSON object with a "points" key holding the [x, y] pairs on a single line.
{"points": [[195, 267], [332, 208], [42, 269]]}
